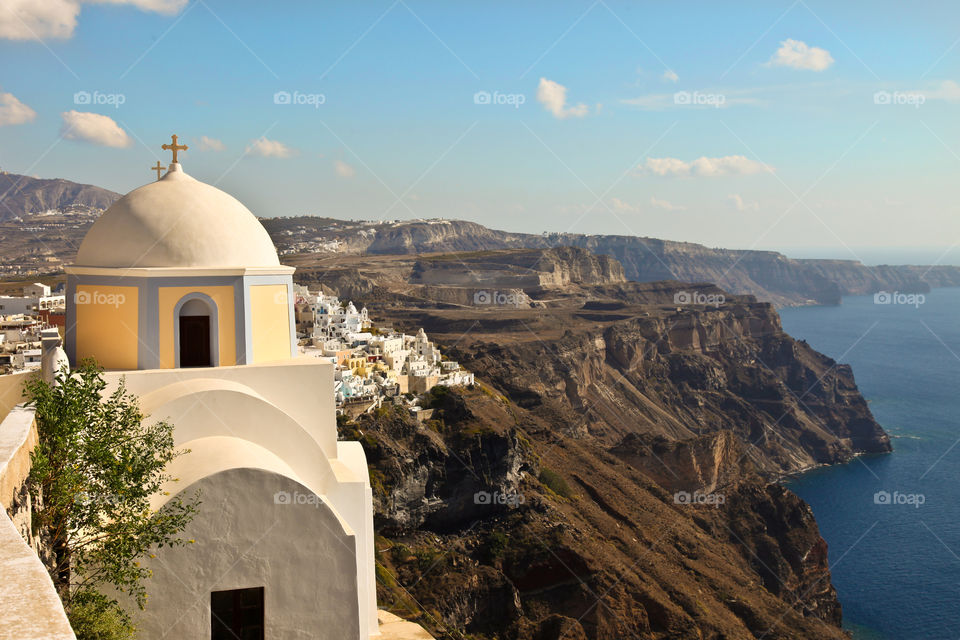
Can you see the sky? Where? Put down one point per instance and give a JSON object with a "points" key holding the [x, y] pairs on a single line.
{"points": [[797, 126]]}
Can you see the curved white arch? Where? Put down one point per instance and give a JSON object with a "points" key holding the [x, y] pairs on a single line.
{"points": [[215, 454], [188, 303], [256, 526], [207, 407]]}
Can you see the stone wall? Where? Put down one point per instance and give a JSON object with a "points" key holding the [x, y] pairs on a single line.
{"points": [[29, 605]]}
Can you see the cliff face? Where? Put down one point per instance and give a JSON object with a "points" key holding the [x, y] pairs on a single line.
{"points": [[520, 268], [494, 526], [768, 275], [853, 278], [610, 476], [456, 278], [681, 374]]}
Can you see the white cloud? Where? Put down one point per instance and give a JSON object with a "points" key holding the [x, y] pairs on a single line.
{"points": [[93, 128], [948, 90], [12, 111], [799, 55], [33, 19], [166, 7], [665, 205], [622, 206], [343, 169], [269, 148], [210, 144], [737, 202], [670, 76], [57, 19], [553, 97], [705, 167], [667, 166]]}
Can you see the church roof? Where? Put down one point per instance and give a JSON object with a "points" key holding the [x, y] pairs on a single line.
{"points": [[177, 221]]}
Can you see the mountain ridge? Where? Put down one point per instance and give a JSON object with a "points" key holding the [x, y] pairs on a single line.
{"points": [[25, 194], [769, 275]]}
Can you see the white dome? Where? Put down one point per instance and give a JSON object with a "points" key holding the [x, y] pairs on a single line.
{"points": [[177, 221]]}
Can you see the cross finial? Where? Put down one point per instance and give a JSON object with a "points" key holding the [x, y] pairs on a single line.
{"points": [[159, 169], [174, 147]]}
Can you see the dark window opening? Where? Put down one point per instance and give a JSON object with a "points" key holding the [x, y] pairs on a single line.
{"points": [[237, 614], [195, 341]]}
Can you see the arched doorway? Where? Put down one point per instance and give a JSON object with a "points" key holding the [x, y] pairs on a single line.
{"points": [[196, 328]]}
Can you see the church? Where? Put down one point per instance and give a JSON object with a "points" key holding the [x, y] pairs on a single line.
{"points": [[177, 288]]}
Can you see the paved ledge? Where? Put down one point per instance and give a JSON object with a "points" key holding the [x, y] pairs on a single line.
{"points": [[18, 437], [395, 628], [30, 608]]}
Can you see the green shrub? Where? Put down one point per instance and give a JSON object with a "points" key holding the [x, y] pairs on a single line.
{"points": [[400, 552], [384, 577], [95, 617], [496, 545], [555, 482]]}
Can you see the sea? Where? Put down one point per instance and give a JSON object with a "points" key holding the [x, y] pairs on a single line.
{"points": [[892, 522]]}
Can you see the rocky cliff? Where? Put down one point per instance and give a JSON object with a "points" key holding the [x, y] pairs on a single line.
{"points": [[768, 275], [684, 373], [535, 268], [492, 525], [610, 475]]}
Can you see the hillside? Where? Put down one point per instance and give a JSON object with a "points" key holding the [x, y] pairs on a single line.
{"points": [[25, 195], [42, 222], [598, 403]]}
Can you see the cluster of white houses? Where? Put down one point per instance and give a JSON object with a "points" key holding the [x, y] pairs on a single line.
{"points": [[370, 364], [22, 318]]}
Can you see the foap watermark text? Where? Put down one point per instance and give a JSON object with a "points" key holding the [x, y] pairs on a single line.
{"points": [[99, 98], [509, 499], [897, 498], [299, 98], [99, 298], [699, 498], [497, 98], [909, 299], [501, 299], [699, 99], [697, 297]]}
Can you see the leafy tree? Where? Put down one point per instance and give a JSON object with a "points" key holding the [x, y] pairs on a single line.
{"points": [[95, 467]]}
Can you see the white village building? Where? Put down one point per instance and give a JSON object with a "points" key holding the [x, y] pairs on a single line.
{"points": [[36, 297], [329, 317]]}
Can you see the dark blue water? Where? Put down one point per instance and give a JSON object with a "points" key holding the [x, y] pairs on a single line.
{"points": [[895, 566]]}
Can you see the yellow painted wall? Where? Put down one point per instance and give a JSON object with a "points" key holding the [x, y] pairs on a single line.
{"points": [[107, 323], [270, 322], [226, 330]]}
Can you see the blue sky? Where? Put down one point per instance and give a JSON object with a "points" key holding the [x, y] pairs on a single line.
{"points": [[753, 124]]}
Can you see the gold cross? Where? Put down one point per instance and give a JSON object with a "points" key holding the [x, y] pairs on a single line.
{"points": [[174, 147], [159, 169]]}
